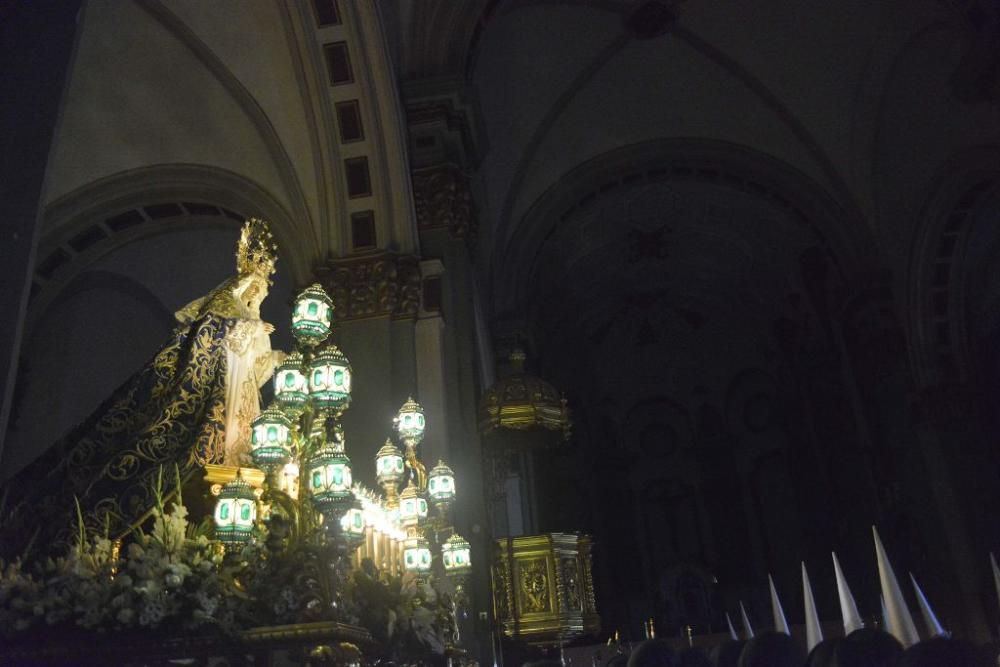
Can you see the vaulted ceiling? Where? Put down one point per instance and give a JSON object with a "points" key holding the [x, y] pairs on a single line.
{"points": [[762, 131]]}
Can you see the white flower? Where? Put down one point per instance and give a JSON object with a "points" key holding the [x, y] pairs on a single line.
{"points": [[152, 613]]}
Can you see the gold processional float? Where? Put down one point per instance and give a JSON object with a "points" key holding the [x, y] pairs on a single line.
{"points": [[542, 585], [299, 508], [297, 519], [303, 472]]}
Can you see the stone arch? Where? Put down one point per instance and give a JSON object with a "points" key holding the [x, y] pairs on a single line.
{"points": [[94, 221], [937, 275], [839, 229]]}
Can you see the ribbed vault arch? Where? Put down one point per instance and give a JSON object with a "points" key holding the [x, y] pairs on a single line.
{"points": [[841, 233], [88, 223]]}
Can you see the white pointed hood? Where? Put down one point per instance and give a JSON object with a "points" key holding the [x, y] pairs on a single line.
{"points": [[814, 632], [848, 609], [780, 623], [996, 575], [747, 628], [732, 630], [934, 628], [899, 622]]}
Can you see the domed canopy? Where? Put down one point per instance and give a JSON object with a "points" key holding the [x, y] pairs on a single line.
{"points": [[522, 401]]}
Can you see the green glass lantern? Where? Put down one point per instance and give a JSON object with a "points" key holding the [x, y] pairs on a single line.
{"points": [[441, 484], [455, 555], [416, 555], [412, 507], [389, 468], [409, 421], [312, 315], [271, 439], [291, 388], [352, 524], [235, 513], [330, 380], [329, 479]]}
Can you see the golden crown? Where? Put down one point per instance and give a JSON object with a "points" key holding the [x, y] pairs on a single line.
{"points": [[256, 252]]}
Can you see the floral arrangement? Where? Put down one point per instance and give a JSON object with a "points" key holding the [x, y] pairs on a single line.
{"points": [[175, 578], [407, 617], [169, 576]]}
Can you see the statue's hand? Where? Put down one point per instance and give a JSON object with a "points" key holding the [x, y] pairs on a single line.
{"points": [[267, 326], [278, 356]]}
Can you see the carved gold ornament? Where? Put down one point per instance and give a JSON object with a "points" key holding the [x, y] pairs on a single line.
{"points": [[522, 401], [543, 591]]}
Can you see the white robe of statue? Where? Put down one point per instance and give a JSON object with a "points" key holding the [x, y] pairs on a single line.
{"points": [[250, 361]]}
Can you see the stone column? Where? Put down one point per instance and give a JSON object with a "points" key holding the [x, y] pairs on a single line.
{"points": [[429, 348], [39, 39]]}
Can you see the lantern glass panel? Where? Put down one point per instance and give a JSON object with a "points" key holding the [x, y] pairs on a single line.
{"points": [[441, 487], [416, 556], [248, 513], [291, 386], [455, 554]]}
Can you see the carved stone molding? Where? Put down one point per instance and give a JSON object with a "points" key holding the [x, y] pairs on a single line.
{"points": [[385, 285], [443, 200], [451, 117]]}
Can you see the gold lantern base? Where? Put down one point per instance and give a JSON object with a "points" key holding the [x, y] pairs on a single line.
{"points": [[543, 589]]}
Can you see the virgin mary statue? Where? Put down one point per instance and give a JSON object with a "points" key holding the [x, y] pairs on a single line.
{"points": [[192, 404]]}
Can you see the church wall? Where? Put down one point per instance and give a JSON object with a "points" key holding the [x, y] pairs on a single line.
{"points": [[595, 94], [515, 93], [461, 384], [142, 97], [635, 96], [256, 43], [381, 353]]}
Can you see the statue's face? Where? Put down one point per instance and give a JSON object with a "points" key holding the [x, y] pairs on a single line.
{"points": [[254, 293]]}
